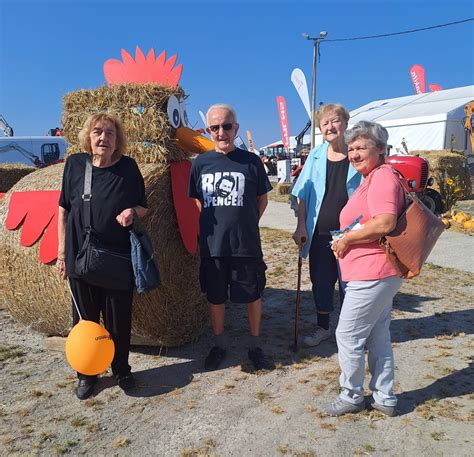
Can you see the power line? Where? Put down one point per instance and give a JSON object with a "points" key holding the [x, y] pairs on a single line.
{"points": [[399, 33]]}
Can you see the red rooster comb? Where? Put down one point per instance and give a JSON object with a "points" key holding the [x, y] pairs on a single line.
{"points": [[143, 69]]}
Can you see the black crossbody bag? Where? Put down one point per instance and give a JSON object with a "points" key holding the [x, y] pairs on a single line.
{"points": [[97, 263]]}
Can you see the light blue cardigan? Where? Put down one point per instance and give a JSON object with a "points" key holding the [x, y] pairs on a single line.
{"points": [[311, 186]]}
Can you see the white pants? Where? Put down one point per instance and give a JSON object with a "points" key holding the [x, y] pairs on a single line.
{"points": [[365, 322]]}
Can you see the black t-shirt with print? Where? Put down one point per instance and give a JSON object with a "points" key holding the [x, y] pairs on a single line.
{"points": [[227, 185], [114, 189], [335, 196]]}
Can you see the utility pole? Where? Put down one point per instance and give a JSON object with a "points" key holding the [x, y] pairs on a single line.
{"points": [[316, 41]]}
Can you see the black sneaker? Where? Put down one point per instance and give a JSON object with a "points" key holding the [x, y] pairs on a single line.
{"points": [[85, 388], [214, 359], [126, 382], [259, 360]]}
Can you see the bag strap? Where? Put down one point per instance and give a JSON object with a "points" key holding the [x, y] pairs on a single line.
{"points": [[400, 180], [86, 196]]}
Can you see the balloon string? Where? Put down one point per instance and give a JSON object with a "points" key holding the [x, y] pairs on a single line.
{"points": [[73, 299]]}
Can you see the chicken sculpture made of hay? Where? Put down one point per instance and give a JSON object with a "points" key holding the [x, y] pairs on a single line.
{"points": [[144, 93]]}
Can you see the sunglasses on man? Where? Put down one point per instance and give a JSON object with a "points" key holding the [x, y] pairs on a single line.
{"points": [[215, 128]]}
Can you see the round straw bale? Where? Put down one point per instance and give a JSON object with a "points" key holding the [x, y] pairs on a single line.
{"points": [[283, 188], [446, 164], [11, 173], [172, 315]]}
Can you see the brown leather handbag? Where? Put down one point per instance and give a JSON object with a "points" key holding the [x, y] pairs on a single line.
{"points": [[411, 242]]}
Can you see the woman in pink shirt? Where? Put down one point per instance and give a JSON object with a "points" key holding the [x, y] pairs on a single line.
{"points": [[372, 281]]}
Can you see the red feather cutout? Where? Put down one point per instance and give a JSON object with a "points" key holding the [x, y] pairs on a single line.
{"points": [[38, 210], [187, 212], [143, 69]]}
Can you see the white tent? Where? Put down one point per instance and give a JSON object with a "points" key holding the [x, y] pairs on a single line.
{"points": [[425, 121]]}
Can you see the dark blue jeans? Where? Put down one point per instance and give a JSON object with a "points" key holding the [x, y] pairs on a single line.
{"points": [[324, 272]]}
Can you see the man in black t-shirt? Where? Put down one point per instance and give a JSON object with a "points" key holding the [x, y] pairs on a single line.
{"points": [[230, 186]]}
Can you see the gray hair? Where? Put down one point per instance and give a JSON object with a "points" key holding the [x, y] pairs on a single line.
{"points": [[222, 106], [370, 130]]}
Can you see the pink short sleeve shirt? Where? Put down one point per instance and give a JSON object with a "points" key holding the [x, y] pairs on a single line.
{"points": [[379, 193]]}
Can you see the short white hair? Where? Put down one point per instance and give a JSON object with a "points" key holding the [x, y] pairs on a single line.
{"points": [[222, 106]]}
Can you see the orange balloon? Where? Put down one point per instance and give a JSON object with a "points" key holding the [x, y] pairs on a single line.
{"points": [[89, 348]]}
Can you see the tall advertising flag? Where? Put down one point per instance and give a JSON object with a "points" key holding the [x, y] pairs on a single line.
{"points": [[299, 81], [417, 73], [250, 141], [285, 129]]}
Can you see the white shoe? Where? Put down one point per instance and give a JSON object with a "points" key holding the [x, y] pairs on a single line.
{"points": [[321, 334]]}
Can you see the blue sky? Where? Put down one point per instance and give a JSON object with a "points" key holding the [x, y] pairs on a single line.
{"points": [[238, 52]]}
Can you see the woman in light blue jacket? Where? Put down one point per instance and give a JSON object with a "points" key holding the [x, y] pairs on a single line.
{"points": [[323, 188]]}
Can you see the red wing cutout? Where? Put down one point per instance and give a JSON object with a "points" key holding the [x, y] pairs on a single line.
{"points": [[38, 210], [187, 213]]}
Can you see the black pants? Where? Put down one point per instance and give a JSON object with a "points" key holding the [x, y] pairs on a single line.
{"points": [[116, 309], [324, 272]]}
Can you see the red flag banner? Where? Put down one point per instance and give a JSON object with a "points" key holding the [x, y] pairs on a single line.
{"points": [[417, 73], [285, 129], [434, 87], [250, 141]]}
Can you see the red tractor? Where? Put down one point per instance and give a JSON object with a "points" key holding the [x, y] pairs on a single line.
{"points": [[415, 173]]}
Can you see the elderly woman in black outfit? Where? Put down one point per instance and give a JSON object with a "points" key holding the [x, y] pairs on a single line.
{"points": [[118, 196]]}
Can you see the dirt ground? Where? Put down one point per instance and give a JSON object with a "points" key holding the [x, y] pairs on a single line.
{"points": [[180, 410]]}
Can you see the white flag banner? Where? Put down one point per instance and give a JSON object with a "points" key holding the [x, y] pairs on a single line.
{"points": [[203, 118], [299, 81]]}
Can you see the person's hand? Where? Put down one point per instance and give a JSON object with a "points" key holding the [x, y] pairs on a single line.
{"points": [[300, 236], [126, 217], [61, 266], [339, 247]]}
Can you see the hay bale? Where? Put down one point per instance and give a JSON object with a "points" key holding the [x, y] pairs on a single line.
{"points": [[172, 315], [446, 164], [141, 108], [283, 188], [11, 173]]}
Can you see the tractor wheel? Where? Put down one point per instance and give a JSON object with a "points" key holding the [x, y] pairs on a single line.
{"points": [[433, 201]]}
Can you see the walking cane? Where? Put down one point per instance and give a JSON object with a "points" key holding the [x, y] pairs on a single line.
{"points": [[298, 294]]}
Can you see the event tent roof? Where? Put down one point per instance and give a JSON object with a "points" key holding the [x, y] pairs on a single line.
{"points": [[426, 121]]}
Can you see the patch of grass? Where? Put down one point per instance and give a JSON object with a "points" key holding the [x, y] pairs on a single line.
{"points": [[328, 426], [277, 410], [200, 451], [8, 439], [283, 449], [65, 447], [93, 428], [366, 447], [78, 421], [439, 436], [122, 441], [191, 404], [39, 393], [318, 388], [262, 396], [311, 408], [449, 336], [93, 402], [10, 352]]}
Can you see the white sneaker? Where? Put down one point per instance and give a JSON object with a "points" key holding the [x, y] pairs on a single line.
{"points": [[321, 334]]}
